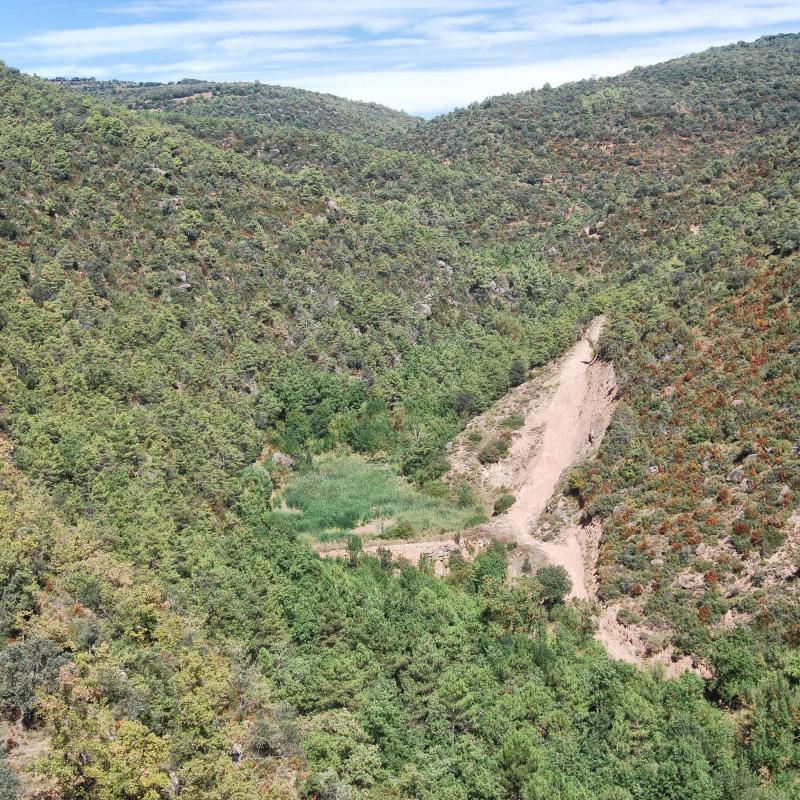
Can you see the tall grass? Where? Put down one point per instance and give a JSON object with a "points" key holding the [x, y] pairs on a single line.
{"points": [[345, 491]]}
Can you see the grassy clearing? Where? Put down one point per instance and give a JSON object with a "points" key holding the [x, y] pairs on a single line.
{"points": [[342, 492]]}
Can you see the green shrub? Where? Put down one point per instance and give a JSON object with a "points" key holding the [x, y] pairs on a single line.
{"points": [[517, 373], [493, 451], [277, 733], [503, 503], [465, 497], [10, 788], [555, 584], [402, 530], [604, 505], [26, 667]]}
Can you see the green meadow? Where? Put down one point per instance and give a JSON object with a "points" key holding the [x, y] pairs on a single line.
{"points": [[343, 492]]}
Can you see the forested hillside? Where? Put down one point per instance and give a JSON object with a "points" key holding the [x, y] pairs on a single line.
{"points": [[271, 105], [205, 287], [685, 179]]}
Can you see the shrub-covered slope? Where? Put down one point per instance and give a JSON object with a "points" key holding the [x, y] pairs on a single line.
{"points": [[184, 294], [272, 105], [683, 180]]}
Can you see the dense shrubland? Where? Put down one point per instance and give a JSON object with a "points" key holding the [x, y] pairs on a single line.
{"points": [[274, 106], [189, 298]]}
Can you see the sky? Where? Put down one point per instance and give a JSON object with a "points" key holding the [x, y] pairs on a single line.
{"points": [[422, 56]]}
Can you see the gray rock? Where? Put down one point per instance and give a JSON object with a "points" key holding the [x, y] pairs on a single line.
{"points": [[424, 309], [689, 581], [747, 485], [657, 562], [701, 549], [736, 475], [282, 460]]}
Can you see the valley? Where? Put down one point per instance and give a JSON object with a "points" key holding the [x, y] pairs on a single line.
{"points": [[346, 455]]}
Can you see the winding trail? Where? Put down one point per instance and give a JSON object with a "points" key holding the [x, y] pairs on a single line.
{"points": [[572, 421]]}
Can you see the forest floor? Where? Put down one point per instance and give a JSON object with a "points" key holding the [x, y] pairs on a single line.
{"points": [[24, 749]]}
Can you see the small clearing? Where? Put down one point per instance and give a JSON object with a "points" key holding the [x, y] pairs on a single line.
{"points": [[24, 749], [344, 495], [188, 98]]}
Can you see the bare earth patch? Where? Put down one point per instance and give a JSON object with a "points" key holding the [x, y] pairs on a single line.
{"points": [[188, 98], [23, 749]]}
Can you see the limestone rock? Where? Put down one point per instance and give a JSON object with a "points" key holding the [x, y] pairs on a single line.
{"points": [[736, 475], [282, 460]]}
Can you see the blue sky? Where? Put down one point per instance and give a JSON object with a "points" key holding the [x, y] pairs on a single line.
{"points": [[424, 56]]}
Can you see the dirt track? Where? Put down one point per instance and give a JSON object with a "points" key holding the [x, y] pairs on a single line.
{"points": [[570, 423]]}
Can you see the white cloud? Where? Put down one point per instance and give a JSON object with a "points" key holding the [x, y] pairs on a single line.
{"points": [[444, 23], [624, 17], [460, 50]]}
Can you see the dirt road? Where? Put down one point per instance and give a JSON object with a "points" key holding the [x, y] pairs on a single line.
{"points": [[569, 425]]}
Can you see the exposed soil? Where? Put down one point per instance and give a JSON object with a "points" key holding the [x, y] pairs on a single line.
{"points": [[437, 550], [188, 98], [564, 428], [23, 749]]}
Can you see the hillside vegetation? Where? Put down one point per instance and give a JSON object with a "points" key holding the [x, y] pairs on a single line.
{"points": [[201, 296], [272, 105]]}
